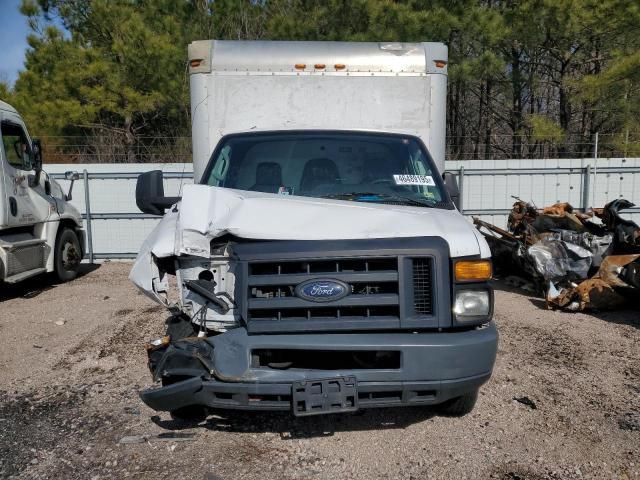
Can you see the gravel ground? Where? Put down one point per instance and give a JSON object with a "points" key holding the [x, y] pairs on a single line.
{"points": [[73, 361]]}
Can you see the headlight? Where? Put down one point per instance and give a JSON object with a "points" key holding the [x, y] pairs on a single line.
{"points": [[471, 303]]}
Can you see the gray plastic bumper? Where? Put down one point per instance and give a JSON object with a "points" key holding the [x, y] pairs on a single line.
{"points": [[435, 367]]}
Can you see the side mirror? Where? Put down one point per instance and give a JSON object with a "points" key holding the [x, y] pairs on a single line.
{"points": [[36, 159], [72, 176], [36, 155], [451, 183], [150, 193]]}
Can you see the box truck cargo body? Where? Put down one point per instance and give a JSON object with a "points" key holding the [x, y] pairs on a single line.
{"points": [[387, 87], [318, 264]]}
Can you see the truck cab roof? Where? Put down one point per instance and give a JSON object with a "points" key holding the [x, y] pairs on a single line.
{"points": [[5, 106]]}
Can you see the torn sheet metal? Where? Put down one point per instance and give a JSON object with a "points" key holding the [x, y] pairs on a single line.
{"points": [[556, 259], [509, 255], [159, 244], [592, 294], [626, 232], [616, 280], [622, 271], [521, 216]]}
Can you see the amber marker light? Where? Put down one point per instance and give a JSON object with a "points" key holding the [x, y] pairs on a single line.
{"points": [[472, 270]]}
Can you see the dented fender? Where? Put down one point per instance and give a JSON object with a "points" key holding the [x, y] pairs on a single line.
{"points": [[160, 243]]}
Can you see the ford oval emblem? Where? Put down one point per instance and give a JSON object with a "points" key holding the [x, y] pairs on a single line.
{"points": [[322, 290]]}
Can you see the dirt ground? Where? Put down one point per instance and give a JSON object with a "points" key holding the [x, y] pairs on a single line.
{"points": [[72, 362]]}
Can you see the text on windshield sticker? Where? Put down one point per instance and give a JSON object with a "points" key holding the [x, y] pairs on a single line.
{"points": [[414, 180]]}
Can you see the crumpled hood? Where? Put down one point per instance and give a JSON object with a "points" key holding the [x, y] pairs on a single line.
{"points": [[208, 212]]}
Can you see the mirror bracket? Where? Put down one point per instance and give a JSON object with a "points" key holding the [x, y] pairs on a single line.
{"points": [[72, 176]]}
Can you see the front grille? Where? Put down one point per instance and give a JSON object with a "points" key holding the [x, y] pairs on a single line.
{"points": [[422, 286], [382, 285], [372, 282], [326, 266]]}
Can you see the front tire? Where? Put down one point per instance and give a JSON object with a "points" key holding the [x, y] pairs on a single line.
{"points": [[68, 255], [459, 406]]}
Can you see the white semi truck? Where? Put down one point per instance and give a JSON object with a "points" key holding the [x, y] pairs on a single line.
{"points": [[39, 230], [318, 264]]}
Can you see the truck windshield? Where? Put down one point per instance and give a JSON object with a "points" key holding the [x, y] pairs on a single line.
{"points": [[364, 167]]}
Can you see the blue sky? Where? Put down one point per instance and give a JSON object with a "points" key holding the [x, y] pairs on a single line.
{"points": [[14, 29], [13, 40]]}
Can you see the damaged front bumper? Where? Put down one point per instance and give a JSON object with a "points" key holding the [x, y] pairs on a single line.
{"points": [[222, 371]]}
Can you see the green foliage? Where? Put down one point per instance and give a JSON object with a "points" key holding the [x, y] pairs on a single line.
{"points": [[122, 69], [544, 129], [555, 71]]}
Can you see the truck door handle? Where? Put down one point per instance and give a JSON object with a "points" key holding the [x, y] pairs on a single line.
{"points": [[13, 206]]}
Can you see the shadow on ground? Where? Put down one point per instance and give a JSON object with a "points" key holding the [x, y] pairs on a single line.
{"points": [[622, 317], [35, 286], [290, 427]]}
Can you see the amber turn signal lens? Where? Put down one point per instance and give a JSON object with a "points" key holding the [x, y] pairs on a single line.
{"points": [[195, 62], [440, 63], [466, 270]]}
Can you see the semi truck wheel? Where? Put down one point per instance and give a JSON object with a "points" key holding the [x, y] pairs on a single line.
{"points": [[68, 255], [459, 406]]}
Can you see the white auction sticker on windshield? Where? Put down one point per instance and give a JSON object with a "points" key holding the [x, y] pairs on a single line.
{"points": [[414, 180]]}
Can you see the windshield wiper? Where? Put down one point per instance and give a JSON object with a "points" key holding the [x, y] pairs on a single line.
{"points": [[382, 196]]}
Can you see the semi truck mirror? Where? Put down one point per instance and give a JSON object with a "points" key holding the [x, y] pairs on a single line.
{"points": [[36, 154], [150, 193], [36, 159], [451, 183], [72, 176]]}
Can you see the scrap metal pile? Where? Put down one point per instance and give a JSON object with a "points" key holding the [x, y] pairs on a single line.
{"points": [[579, 260]]}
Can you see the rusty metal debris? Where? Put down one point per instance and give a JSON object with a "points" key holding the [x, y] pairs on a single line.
{"points": [[578, 260]]}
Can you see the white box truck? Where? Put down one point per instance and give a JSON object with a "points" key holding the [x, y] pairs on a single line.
{"points": [[39, 230], [318, 264]]}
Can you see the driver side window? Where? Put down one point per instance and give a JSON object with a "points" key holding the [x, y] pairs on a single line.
{"points": [[16, 146]]}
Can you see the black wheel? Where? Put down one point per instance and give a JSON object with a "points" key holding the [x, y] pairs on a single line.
{"points": [[459, 406], [68, 255], [179, 327]]}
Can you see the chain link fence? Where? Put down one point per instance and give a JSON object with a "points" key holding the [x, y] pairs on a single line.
{"points": [[113, 148]]}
